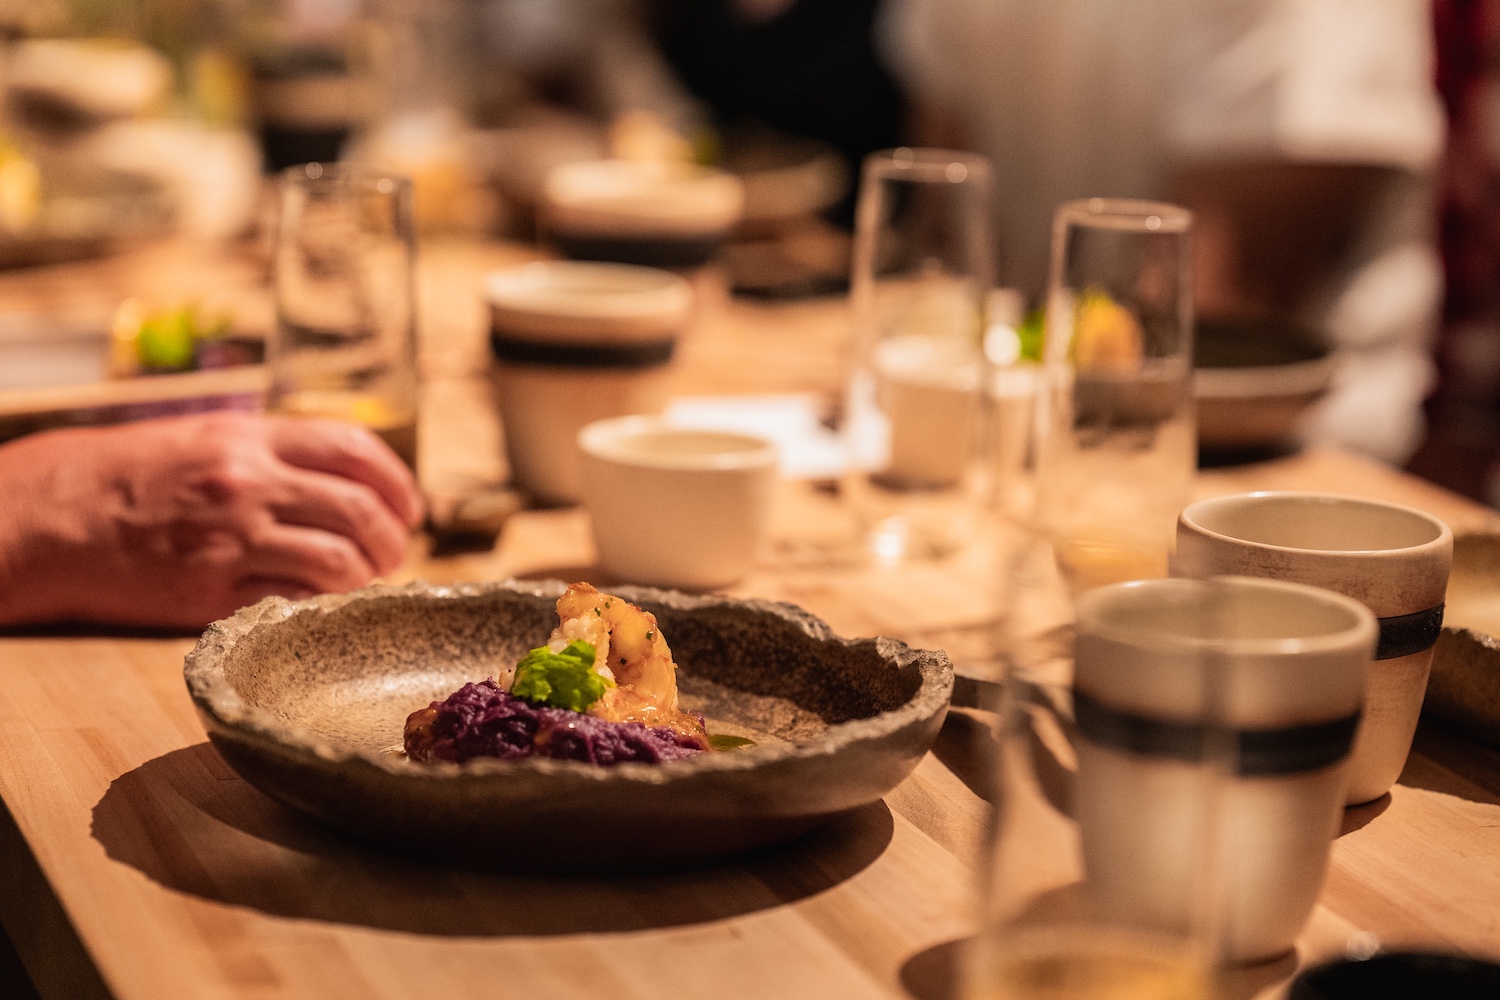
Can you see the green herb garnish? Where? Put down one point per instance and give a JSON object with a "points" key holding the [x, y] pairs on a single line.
{"points": [[1030, 333], [562, 680], [168, 340], [723, 741]]}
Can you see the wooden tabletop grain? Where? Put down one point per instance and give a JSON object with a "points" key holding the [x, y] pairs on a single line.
{"points": [[134, 864]]}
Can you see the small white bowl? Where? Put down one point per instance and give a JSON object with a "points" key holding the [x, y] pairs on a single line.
{"points": [[673, 506]]}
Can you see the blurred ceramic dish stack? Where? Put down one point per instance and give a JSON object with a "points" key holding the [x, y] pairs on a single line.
{"points": [[573, 343], [783, 246], [1255, 382], [656, 214]]}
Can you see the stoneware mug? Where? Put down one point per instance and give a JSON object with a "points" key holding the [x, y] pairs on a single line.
{"points": [[1391, 558], [673, 506], [1214, 724], [572, 343]]}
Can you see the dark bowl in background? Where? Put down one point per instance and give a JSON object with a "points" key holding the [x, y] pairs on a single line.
{"points": [[1256, 381]]}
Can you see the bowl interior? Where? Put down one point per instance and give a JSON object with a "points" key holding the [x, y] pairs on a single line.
{"points": [[349, 677], [1474, 584], [1254, 343], [1314, 522]]}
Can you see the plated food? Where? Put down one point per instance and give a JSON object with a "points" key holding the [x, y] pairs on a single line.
{"points": [[304, 698], [603, 690]]}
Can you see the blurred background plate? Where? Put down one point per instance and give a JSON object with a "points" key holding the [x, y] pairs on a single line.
{"points": [[1256, 381], [56, 374]]}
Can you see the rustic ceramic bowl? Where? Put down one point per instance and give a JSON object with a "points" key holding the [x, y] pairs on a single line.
{"points": [[1464, 689], [306, 699]]}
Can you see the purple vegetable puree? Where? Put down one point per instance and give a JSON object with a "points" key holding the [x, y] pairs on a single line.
{"points": [[480, 720]]}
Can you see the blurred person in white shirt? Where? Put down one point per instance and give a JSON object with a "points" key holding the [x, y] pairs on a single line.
{"points": [[1303, 132]]}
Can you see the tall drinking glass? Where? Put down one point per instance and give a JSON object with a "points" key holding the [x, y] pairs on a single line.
{"points": [[1102, 872], [916, 407], [345, 346], [1115, 443]]}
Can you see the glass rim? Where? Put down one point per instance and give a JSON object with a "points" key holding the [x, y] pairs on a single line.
{"points": [[353, 175], [1192, 518], [927, 163], [1129, 214], [1097, 610]]}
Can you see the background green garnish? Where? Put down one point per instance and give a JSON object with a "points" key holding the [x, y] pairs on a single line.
{"points": [[168, 340], [723, 741], [561, 680]]}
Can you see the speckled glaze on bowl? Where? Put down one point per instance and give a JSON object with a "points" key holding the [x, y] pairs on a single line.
{"points": [[305, 698], [1464, 689]]}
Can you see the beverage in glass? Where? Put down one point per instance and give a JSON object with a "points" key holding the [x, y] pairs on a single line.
{"points": [[1115, 443], [915, 413], [345, 342]]}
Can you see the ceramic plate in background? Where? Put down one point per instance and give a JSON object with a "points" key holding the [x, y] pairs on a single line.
{"points": [[1256, 380]]}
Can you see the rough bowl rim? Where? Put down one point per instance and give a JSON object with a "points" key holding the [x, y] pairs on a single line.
{"points": [[217, 700]]}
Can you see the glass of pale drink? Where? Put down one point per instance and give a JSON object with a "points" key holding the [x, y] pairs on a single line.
{"points": [[916, 411], [1115, 444], [345, 345]]}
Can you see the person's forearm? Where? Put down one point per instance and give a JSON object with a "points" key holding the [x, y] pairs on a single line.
{"points": [[24, 592]]}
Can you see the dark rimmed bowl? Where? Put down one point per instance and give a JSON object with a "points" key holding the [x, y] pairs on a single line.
{"points": [[1400, 975], [305, 699], [1256, 380]]}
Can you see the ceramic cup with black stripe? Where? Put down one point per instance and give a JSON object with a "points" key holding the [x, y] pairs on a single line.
{"points": [[573, 343], [659, 214], [1215, 715], [1392, 559]]}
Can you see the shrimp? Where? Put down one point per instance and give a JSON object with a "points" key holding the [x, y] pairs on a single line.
{"points": [[628, 649]]}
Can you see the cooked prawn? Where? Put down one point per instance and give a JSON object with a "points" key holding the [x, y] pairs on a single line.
{"points": [[628, 649]]}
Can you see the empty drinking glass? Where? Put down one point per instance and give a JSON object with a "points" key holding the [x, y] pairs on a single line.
{"points": [[1115, 444], [916, 406]]}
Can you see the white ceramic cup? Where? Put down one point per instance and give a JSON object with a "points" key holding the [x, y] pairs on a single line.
{"points": [[1273, 674], [1392, 559], [573, 343], [673, 506]]}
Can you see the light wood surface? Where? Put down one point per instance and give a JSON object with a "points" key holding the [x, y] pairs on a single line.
{"points": [[135, 864]]}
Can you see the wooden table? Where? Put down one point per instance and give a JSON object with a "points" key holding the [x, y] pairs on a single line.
{"points": [[135, 864]]}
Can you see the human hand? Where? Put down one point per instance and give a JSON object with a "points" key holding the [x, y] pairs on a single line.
{"points": [[177, 522]]}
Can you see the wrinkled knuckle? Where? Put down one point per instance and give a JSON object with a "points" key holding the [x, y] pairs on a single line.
{"points": [[362, 509], [231, 481]]}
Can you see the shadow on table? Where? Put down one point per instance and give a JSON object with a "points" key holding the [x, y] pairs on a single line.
{"points": [[933, 973], [1358, 817], [936, 973], [967, 747], [85, 630], [188, 822], [1446, 761]]}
